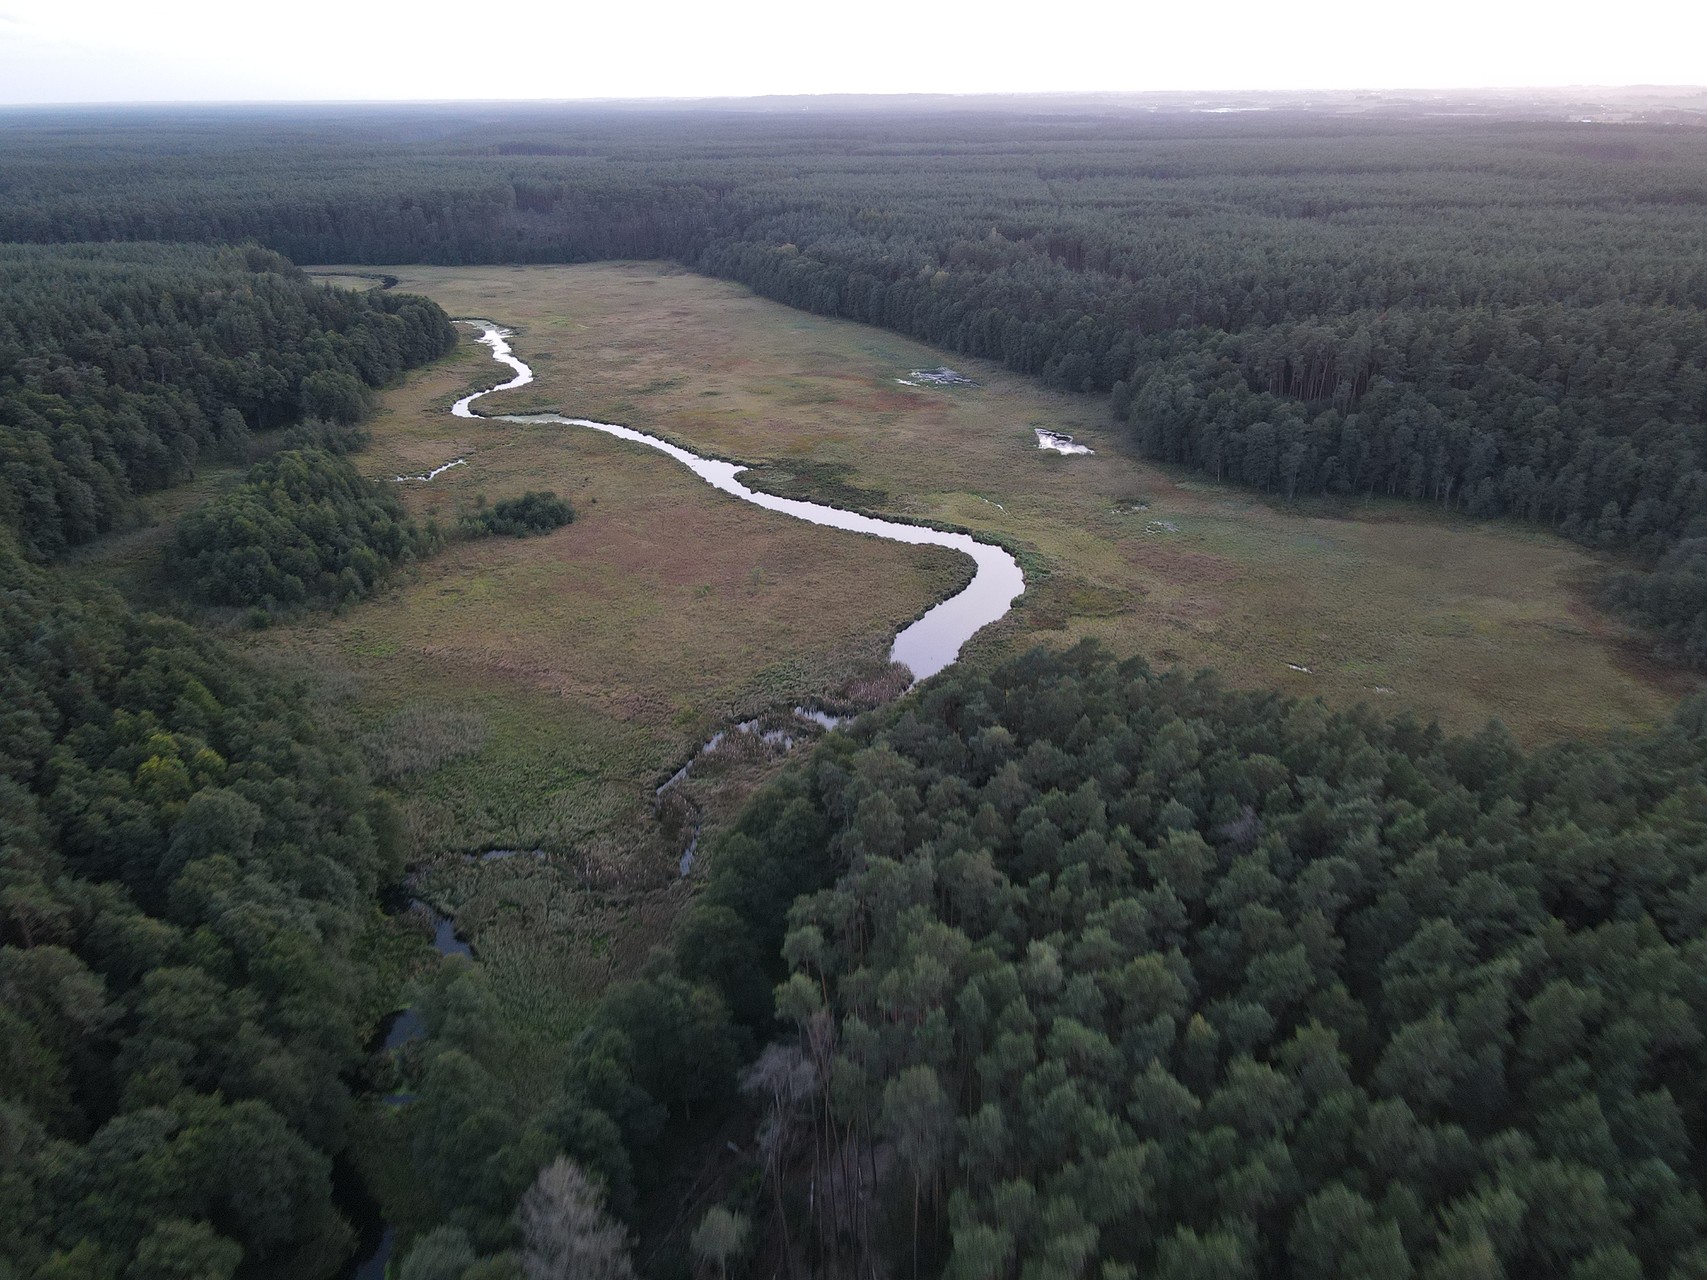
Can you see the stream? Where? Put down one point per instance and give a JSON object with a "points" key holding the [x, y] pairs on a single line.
{"points": [[377, 1238], [925, 647]]}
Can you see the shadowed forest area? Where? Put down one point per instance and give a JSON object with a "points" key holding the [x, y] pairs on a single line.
{"points": [[1055, 969]]}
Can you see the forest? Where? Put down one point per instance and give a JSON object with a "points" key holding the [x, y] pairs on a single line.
{"points": [[1501, 317], [1080, 969], [1060, 969], [122, 365], [189, 864], [1133, 975]]}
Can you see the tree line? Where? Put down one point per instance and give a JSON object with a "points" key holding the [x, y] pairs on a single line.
{"points": [[1588, 420]]}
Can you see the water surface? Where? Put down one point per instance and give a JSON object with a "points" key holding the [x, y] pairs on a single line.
{"points": [[925, 647]]}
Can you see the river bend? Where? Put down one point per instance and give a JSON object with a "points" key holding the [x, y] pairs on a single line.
{"points": [[925, 647]]}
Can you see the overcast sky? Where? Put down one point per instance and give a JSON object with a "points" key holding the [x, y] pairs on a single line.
{"points": [[224, 50]]}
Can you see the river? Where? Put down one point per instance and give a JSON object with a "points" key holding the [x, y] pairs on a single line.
{"points": [[925, 647]]}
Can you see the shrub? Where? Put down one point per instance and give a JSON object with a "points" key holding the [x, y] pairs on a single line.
{"points": [[533, 512]]}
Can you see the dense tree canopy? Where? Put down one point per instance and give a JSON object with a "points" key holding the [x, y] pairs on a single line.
{"points": [[303, 527], [1126, 971], [120, 365], [1097, 971], [185, 862]]}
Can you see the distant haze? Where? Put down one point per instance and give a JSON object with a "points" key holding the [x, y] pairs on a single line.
{"points": [[197, 50]]}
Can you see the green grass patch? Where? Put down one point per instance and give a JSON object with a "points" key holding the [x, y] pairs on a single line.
{"points": [[827, 482]]}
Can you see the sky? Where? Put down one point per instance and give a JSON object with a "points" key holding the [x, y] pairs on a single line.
{"points": [[67, 51]]}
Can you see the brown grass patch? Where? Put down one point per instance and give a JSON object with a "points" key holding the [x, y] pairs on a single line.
{"points": [[1178, 565]]}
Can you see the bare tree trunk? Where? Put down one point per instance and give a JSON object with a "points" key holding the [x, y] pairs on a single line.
{"points": [[915, 1227], [777, 1156]]}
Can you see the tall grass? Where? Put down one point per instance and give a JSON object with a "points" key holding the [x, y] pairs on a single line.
{"points": [[421, 737]]}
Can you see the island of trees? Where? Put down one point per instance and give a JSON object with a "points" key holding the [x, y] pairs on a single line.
{"points": [[303, 527]]}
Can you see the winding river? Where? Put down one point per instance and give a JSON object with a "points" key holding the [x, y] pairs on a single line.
{"points": [[925, 647]]}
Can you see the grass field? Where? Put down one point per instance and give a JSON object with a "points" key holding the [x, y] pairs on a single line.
{"points": [[580, 668], [1383, 602]]}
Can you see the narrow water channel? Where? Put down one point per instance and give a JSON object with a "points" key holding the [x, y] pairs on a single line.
{"points": [[377, 1238], [925, 647]]}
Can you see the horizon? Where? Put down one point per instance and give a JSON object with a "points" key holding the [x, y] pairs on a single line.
{"points": [[193, 52], [1179, 98]]}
